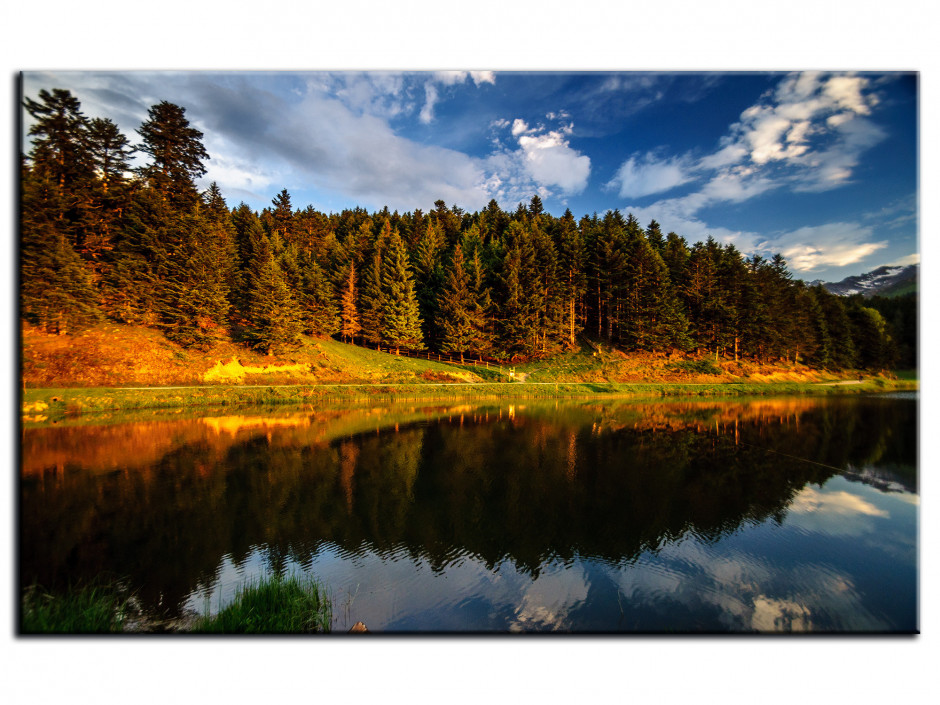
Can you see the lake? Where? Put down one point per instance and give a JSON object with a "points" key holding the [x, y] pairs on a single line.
{"points": [[766, 515]]}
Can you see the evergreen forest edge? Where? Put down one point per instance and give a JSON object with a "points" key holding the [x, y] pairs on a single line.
{"points": [[102, 241]]}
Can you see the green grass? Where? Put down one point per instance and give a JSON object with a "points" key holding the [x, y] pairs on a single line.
{"points": [[275, 605], [93, 609], [362, 361], [97, 405]]}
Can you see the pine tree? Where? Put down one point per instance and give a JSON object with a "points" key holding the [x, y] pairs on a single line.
{"points": [[654, 236], [401, 320], [462, 318], [572, 280], [56, 291], [651, 318], [839, 328], [107, 197], [282, 217], [349, 325], [274, 320], [607, 272], [315, 296], [482, 306], [59, 135], [177, 153], [429, 280], [519, 294], [371, 298]]}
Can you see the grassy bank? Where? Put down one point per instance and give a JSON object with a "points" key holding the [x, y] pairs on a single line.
{"points": [[271, 605], [113, 368], [42, 406], [277, 605], [90, 609]]}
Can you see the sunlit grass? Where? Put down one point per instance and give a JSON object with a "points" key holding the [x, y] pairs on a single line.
{"points": [[274, 605]]}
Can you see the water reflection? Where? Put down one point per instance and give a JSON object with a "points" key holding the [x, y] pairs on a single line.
{"points": [[782, 514]]}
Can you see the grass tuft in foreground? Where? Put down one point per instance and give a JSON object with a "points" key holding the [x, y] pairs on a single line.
{"points": [[275, 605], [93, 609]]}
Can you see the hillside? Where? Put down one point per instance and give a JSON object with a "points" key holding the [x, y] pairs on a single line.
{"points": [[112, 355], [884, 281]]}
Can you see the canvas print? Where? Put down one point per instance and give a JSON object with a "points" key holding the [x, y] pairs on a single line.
{"points": [[499, 352]]}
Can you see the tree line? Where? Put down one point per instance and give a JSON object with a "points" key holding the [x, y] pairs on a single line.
{"points": [[102, 240]]}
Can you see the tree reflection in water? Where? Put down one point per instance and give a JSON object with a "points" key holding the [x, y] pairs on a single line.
{"points": [[164, 504]]}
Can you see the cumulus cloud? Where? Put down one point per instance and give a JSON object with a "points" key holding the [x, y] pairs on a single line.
{"points": [[551, 161], [542, 162]]}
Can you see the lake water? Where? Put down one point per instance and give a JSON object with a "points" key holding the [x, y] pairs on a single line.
{"points": [[769, 515]]}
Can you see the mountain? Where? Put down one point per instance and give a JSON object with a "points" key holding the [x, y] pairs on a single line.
{"points": [[884, 281]]}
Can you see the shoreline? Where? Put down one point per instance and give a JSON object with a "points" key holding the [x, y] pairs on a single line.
{"points": [[41, 406]]}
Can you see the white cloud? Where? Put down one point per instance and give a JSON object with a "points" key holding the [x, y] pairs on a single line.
{"points": [[805, 111], [734, 186], [381, 93], [846, 91], [450, 78], [543, 163], [831, 245], [645, 175], [519, 127], [808, 134], [483, 77], [360, 155], [427, 112], [904, 261], [551, 161]]}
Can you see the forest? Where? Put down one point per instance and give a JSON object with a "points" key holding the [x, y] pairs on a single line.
{"points": [[102, 240]]}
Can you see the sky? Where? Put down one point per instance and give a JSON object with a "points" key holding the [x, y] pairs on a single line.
{"points": [[821, 167]]}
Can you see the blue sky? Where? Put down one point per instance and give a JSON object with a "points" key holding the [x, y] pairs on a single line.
{"points": [[819, 166]]}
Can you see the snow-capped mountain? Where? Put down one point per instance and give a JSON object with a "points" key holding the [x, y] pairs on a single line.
{"points": [[883, 281]]}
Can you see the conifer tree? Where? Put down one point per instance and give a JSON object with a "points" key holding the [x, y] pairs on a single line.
{"points": [[654, 236], [315, 296], [429, 280], [608, 273], [56, 291], [401, 319], [107, 197], [572, 280], [176, 151], [59, 139], [462, 319], [651, 318], [273, 317], [349, 325], [282, 217], [483, 305], [839, 328]]}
